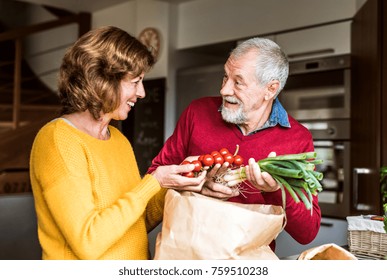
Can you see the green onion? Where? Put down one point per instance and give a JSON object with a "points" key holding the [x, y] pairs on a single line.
{"points": [[272, 168], [296, 174]]}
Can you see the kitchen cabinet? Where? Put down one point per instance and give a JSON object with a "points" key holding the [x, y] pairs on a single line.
{"points": [[313, 42], [197, 82], [368, 98]]}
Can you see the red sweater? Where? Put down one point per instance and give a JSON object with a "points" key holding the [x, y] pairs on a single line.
{"points": [[201, 130]]}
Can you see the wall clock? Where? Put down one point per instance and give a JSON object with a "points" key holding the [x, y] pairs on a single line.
{"points": [[150, 37]]}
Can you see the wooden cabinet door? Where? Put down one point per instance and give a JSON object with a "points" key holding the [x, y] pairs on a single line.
{"points": [[366, 108], [314, 41]]}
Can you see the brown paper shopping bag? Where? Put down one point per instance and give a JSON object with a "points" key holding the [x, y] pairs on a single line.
{"points": [[200, 227], [328, 251]]}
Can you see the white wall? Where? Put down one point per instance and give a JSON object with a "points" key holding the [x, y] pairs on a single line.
{"points": [[121, 15], [44, 50], [134, 16], [153, 13]]}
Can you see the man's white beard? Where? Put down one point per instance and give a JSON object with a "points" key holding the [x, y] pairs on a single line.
{"points": [[232, 116]]}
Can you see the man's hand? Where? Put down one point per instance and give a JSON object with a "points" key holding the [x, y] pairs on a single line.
{"points": [[262, 181], [213, 188]]}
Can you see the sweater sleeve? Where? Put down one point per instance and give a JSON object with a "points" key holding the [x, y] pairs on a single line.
{"points": [[155, 209]]}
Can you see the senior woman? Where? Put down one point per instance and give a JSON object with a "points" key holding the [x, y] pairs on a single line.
{"points": [[90, 199]]}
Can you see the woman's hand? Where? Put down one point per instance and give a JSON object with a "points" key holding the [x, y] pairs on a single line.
{"points": [[169, 176], [262, 181]]}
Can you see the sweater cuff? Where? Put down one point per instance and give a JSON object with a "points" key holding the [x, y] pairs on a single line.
{"points": [[148, 188]]}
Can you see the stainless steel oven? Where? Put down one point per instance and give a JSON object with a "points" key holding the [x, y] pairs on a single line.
{"points": [[318, 89], [317, 94], [332, 144]]}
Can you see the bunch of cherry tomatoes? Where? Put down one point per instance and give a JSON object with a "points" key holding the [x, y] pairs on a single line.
{"points": [[209, 160]]}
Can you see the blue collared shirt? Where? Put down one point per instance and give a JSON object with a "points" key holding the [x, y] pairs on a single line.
{"points": [[278, 115]]}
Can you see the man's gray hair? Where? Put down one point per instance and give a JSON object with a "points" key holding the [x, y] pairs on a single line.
{"points": [[271, 64]]}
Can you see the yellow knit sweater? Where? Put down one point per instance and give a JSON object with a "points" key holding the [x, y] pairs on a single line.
{"points": [[90, 200]]}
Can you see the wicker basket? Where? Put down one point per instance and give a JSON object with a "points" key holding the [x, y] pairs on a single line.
{"points": [[367, 244]]}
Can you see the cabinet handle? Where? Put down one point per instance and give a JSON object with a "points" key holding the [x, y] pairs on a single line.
{"points": [[326, 224], [309, 53], [355, 193]]}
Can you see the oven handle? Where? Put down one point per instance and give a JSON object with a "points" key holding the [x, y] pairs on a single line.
{"points": [[355, 174]]}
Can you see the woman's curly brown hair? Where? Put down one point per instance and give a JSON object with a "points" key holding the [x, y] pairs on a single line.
{"points": [[92, 69]]}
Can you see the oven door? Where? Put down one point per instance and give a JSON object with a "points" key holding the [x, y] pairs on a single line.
{"points": [[316, 103], [335, 197], [331, 140], [321, 93]]}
